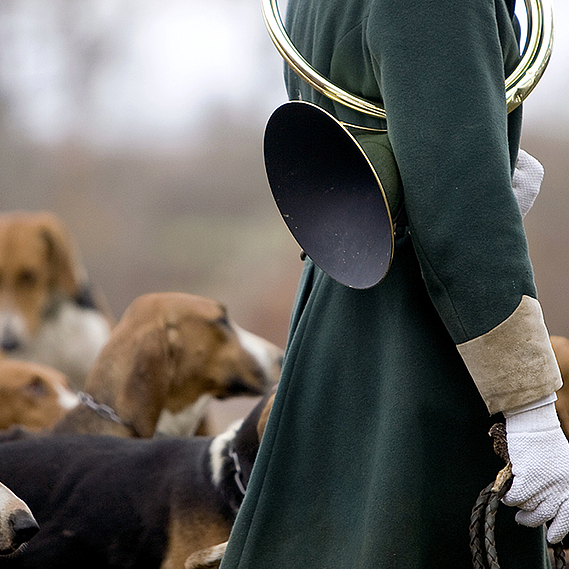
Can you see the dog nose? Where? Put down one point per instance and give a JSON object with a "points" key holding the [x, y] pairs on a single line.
{"points": [[9, 341], [24, 527]]}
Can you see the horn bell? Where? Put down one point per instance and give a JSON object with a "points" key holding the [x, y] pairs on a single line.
{"points": [[328, 194]]}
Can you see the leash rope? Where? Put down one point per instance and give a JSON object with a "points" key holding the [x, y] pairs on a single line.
{"points": [[483, 517]]}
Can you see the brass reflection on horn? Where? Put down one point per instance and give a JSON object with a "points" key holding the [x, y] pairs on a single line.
{"points": [[520, 83]]}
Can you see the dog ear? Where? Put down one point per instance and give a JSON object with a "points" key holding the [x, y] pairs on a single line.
{"points": [[146, 382], [265, 417], [66, 269]]}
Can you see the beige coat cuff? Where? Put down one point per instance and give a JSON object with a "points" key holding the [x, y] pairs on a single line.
{"points": [[513, 364]]}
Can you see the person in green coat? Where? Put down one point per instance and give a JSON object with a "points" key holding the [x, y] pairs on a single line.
{"points": [[377, 445]]}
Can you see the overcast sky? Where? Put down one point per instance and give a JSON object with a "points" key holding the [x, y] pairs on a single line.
{"points": [[115, 71], [547, 106]]}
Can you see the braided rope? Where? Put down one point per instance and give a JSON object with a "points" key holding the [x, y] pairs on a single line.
{"points": [[559, 556], [483, 516], [477, 528]]}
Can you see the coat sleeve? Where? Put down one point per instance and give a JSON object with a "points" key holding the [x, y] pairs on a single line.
{"points": [[440, 68]]}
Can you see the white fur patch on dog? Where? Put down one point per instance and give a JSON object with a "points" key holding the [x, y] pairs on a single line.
{"points": [[264, 352], [185, 422], [67, 399], [69, 342], [217, 453]]}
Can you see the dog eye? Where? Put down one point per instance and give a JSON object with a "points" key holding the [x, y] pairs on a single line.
{"points": [[223, 320], [37, 387], [27, 278]]}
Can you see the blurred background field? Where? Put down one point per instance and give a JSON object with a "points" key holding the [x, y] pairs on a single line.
{"points": [[139, 122]]}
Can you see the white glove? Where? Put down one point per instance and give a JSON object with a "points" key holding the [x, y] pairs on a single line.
{"points": [[526, 181], [539, 453]]}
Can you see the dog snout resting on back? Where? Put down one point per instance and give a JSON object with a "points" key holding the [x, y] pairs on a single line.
{"points": [[47, 314], [17, 524], [32, 395], [167, 355]]}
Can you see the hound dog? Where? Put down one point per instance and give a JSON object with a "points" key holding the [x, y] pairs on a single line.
{"points": [[561, 348], [208, 558], [169, 353], [109, 502], [47, 312], [17, 523], [33, 396]]}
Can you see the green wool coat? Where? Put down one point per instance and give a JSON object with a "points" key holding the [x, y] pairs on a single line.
{"points": [[377, 447]]}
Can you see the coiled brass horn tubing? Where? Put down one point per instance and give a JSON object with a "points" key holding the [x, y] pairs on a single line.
{"points": [[536, 54], [519, 84]]}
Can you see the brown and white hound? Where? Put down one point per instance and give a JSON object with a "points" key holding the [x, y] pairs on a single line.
{"points": [[48, 313], [167, 356]]}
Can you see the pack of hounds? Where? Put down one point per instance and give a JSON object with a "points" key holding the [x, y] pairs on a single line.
{"points": [[107, 454], [107, 457]]}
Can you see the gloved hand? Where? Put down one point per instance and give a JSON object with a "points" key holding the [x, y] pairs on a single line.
{"points": [[539, 453]]}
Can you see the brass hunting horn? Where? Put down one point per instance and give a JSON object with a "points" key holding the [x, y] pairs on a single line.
{"points": [[320, 169]]}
